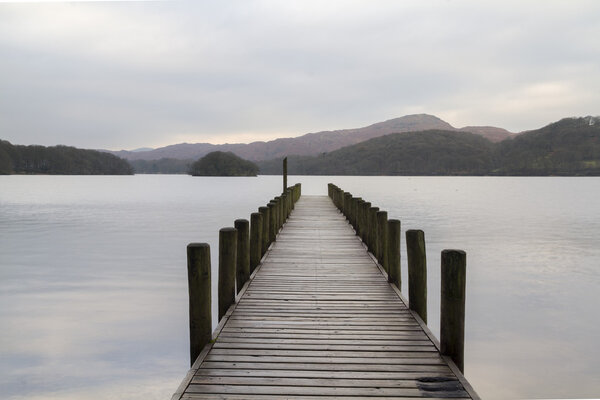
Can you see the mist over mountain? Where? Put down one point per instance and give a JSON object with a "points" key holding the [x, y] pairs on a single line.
{"points": [[310, 143]]}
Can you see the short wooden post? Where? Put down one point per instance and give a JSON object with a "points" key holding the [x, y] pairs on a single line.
{"points": [[347, 205], [281, 211], [350, 210], [265, 212], [227, 266], [291, 198], [284, 174], [283, 208], [199, 290], [373, 230], [277, 214], [382, 233], [242, 269], [355, 208], [256, 225], [272, 221], [393, 252], [452, 316], [359, 217], [417, 272], [366, 222]]}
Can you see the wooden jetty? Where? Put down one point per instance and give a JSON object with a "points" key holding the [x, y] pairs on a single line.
{"points": [[317, 319]]}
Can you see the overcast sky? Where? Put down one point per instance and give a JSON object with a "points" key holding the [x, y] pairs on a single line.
{"points": [[122, 75]]}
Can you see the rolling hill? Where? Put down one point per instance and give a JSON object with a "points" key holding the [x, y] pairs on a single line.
{"points": [[311, 143], [569, 147]]}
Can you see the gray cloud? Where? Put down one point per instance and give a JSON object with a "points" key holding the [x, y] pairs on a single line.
{"points": [[124, 75]]}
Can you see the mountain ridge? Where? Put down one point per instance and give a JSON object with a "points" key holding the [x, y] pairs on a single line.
{"points": [[312, 143], [568, 147]]}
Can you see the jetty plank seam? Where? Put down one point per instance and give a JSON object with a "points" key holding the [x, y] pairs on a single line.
{"points": [[318, 320]]}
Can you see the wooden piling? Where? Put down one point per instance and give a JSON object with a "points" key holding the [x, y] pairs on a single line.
{"points": [[393, 252], [256, 225], [452, 315], [281, 210], [382, 233], [199, 289], [272, 221], [359, 217], [366, 223], [417, 272], [355, 211], [347, 205], [242, 270], [265, 212], [373, 230], [227, 266], [284, 174]]}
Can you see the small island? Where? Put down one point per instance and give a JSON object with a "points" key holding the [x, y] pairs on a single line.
{"points": [[219, 163]]}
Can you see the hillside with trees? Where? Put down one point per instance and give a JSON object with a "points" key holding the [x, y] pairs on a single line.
{"points": [[569, 147], [59, 160], [432, 152], [220, 163], [161, 166]]}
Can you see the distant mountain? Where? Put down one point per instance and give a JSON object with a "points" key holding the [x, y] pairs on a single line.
{"points": [[432, 152], [311, 143], [569, 147]]}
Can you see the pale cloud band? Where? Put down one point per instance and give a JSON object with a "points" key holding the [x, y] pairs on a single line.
{"points": [[131, 74]]}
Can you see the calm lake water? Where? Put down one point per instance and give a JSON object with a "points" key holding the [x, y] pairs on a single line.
{"points": [[93, 286]]}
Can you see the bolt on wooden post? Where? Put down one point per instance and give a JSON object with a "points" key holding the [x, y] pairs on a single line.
{"points": [[417, 272], [227, 266], [242, 270], [452, 315], [199, 290], [256, 242], [393, 252]]}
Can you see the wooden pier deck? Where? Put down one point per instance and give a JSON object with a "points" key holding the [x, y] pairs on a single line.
{"points": [[318, 320]]}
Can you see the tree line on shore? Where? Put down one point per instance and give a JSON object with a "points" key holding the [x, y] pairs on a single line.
{"points": [[59, 160]]}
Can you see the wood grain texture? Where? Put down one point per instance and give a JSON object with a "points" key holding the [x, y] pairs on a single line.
{"points": [[319, 321]]}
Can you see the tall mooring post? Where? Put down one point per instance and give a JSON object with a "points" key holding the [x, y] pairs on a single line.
{"points": [[284, 174]]}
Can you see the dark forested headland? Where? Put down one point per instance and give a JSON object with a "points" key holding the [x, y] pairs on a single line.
{"points": [[569, 147], [219, 163], [59, 160]]}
